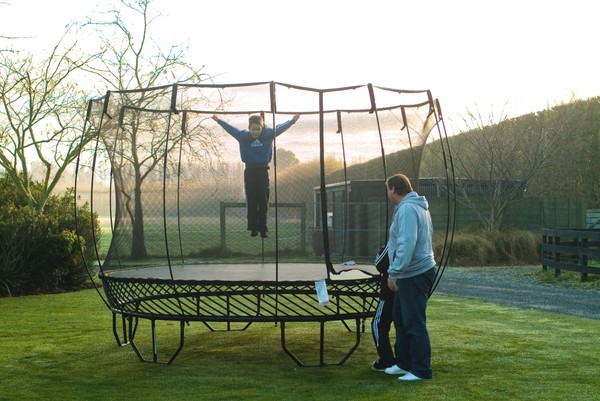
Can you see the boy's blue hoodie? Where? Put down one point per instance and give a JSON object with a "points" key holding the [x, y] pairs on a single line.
{"points": [[256, 151], [409, 245]]}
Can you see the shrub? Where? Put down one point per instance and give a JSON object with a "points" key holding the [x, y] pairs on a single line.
{"points": [[480, 247], [468, 250], [40, 252], [514, 246]]}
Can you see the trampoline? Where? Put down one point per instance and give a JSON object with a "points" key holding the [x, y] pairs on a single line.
{"points": [[165, 183]]}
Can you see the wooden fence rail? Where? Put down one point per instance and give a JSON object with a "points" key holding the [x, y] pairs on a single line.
{"points": [[575, 249]]}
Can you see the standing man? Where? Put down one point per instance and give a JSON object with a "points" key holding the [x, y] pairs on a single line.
{"points": [[256, 151], [411, 275]]}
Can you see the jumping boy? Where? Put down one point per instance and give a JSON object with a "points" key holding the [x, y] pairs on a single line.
{"points": [[256, 151]]}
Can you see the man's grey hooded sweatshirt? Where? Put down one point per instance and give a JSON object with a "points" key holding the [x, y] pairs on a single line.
{"points": [[409, 245]]}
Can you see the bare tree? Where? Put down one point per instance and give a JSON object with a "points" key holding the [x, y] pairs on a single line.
{"points": [[41, 117], [496, 158], [134, 60]]}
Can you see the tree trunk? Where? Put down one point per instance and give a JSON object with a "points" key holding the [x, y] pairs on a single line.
{"points": [[138, 243]]}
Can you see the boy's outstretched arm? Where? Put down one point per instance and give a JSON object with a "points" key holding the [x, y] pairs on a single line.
{"points": [[281, 128], [230, 129]]}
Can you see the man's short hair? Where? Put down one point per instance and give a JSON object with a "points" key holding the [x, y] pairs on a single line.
{"points": [[400, 183]]}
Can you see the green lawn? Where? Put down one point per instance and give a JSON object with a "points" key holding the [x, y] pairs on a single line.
{"points": [[61, 347]]}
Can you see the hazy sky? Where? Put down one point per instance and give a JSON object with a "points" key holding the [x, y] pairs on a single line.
{"points": [[524, 53]]}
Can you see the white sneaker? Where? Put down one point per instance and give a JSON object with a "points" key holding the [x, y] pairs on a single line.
{"points": [[409, 377], [395, 370]]}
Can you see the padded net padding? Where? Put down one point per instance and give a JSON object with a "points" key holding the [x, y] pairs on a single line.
{"points": [[167, 181]]}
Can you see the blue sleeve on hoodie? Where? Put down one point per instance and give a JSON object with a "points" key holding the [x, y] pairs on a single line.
{"points": [[233, 131]]}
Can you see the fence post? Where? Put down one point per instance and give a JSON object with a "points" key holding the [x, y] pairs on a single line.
{"points": [[544, 251], [303, 227], [556, 242], [584, 258], [222, 221]]}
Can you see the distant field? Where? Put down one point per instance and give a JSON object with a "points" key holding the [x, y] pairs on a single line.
{"points": [[192, 239]]}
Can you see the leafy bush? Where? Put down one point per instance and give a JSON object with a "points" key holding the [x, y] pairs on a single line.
{"points": [[40, 252], [501, 247]]}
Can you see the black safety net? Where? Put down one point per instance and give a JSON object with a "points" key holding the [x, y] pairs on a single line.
{"points": [[167, 182]]}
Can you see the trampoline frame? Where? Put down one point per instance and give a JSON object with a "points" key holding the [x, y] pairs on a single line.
{"points": [[281, 303]]}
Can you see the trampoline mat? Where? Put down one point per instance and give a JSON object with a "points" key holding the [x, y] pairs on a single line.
{"points": [[257, 272]]}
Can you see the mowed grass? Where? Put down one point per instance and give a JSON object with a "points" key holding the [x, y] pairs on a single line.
{"points": [[61, 347]]}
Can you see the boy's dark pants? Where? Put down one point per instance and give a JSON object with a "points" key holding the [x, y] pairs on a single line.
{"points": [[256, 183], [380, 327]]}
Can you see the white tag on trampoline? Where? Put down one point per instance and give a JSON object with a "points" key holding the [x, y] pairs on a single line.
{"points": [[322, 295]]}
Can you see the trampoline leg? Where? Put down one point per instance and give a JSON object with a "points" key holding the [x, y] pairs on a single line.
{"points": [[125, 340], [362, 327], [181, 339], [229, 328], [356, 343], [154, 345], [285, 348], [346, 325], [155, 342], [132, 339], [321, 345]]}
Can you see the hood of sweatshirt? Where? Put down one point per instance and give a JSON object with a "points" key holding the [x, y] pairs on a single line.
{"points": [[415, 199]]}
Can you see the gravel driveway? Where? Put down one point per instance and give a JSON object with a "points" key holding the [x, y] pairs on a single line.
{"points": [[514, 286]]}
